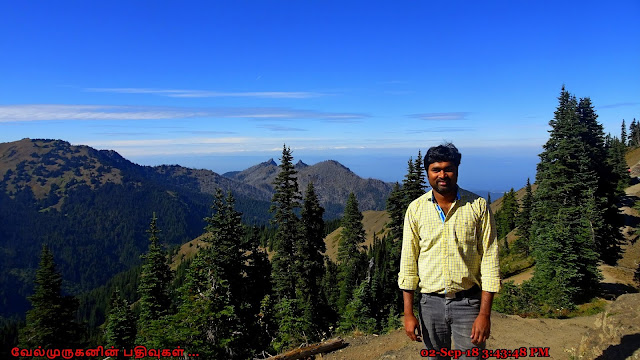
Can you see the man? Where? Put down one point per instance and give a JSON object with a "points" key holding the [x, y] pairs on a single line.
{"points": [[449, 251]]}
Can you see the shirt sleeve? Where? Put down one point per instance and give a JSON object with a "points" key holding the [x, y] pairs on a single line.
{"points": [[490, 265], [408, 276]]}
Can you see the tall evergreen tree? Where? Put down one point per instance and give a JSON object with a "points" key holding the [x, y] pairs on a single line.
{"points": [[153, 288], [396, 210], [284, 203], [120, 328], [566, 263], [418, 167], [310, 249], [525, 221], [414, 181], [634, 133], [51, 320], [217, 316], [604, 218], [206, 322], [507, 215], [623, 133], [619, 175], [350, 256]]}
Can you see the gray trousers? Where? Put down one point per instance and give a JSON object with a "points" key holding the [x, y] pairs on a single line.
{"points": [[442, 319]]}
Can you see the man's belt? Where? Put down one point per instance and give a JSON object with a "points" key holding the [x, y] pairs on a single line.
{"points": [[460, 294]]}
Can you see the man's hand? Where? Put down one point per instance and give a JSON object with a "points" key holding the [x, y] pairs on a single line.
{"points": [[481, 329], [410, 326], [410, 321]]}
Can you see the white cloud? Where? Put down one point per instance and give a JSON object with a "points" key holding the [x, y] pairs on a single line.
{"points": [[42, 112], [210, 94], [441, 116]]}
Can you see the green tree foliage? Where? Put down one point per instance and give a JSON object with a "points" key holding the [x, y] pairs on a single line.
{"points": [[93, 305], [310, 259], [623, 133], [525, 221], [153, 288], [382, 286], [330, 291], [120, 329], [51, 320], [206, 322], [350, 256], [414, 183], [284, 204], [634, 133], [566, 263], [507, 215], [218, 315], [604, 218], [396, 209], [358, 312], [616, 161]]}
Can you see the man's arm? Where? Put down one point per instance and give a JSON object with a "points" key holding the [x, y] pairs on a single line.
{"points": [[410, 321], [490, 275], [408, 276], [482, 325]]}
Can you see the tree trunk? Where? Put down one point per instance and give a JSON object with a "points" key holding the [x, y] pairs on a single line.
{"points": [[306, 351]]}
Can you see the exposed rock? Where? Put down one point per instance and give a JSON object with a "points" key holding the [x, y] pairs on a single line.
{"points": [[617, 332]]}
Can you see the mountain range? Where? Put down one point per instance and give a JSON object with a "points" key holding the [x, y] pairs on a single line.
{"points": [[92, 207]]}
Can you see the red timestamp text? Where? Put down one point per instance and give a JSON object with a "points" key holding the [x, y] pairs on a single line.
{"points": [[520, 352]]}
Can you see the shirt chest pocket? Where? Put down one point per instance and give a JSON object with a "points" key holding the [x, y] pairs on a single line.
{"points": [[465, 231]]}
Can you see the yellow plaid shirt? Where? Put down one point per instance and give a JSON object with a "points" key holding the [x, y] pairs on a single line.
{"points": [[451, 255]]}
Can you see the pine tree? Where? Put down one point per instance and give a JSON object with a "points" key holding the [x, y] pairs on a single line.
{"points": [[634, 133], [350, 257], [310, 249], [382, 286], [51, 320], [217, 316], [616, 160], [525, 221], [206, 322], [396, 210], [358, 313], [566, 263], [623, 133], [120, 328], [153, 288], [604, 218], [414, 181], [284, 203], [418, 167], [507, 215]]}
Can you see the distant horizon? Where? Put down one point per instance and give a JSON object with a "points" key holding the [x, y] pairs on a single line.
{"points": [[492, 170]]}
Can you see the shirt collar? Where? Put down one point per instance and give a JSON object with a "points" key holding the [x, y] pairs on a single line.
{"points": [[433, 199]]}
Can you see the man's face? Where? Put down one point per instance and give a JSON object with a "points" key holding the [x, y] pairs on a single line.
{"points": [[443, 177]]}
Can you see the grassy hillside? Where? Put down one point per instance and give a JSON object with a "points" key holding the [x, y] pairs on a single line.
{"points": [[373, 222]]}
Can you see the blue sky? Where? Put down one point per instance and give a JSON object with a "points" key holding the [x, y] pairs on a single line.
{"points": [[223, 84]]}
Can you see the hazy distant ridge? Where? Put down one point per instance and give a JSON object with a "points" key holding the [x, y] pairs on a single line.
{"points": [[332, 181]]}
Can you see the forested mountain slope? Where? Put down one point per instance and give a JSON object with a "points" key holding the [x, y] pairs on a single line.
{"points": [[92, 207]]}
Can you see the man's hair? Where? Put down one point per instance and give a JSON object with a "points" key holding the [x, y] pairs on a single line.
{"points": [[440, 153]]}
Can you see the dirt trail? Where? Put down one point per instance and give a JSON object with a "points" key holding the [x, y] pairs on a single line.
{"points": [[562, 337], [507, 332]]}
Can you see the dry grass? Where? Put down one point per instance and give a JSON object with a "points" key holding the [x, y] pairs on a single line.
{"points": [[373, 222]]}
